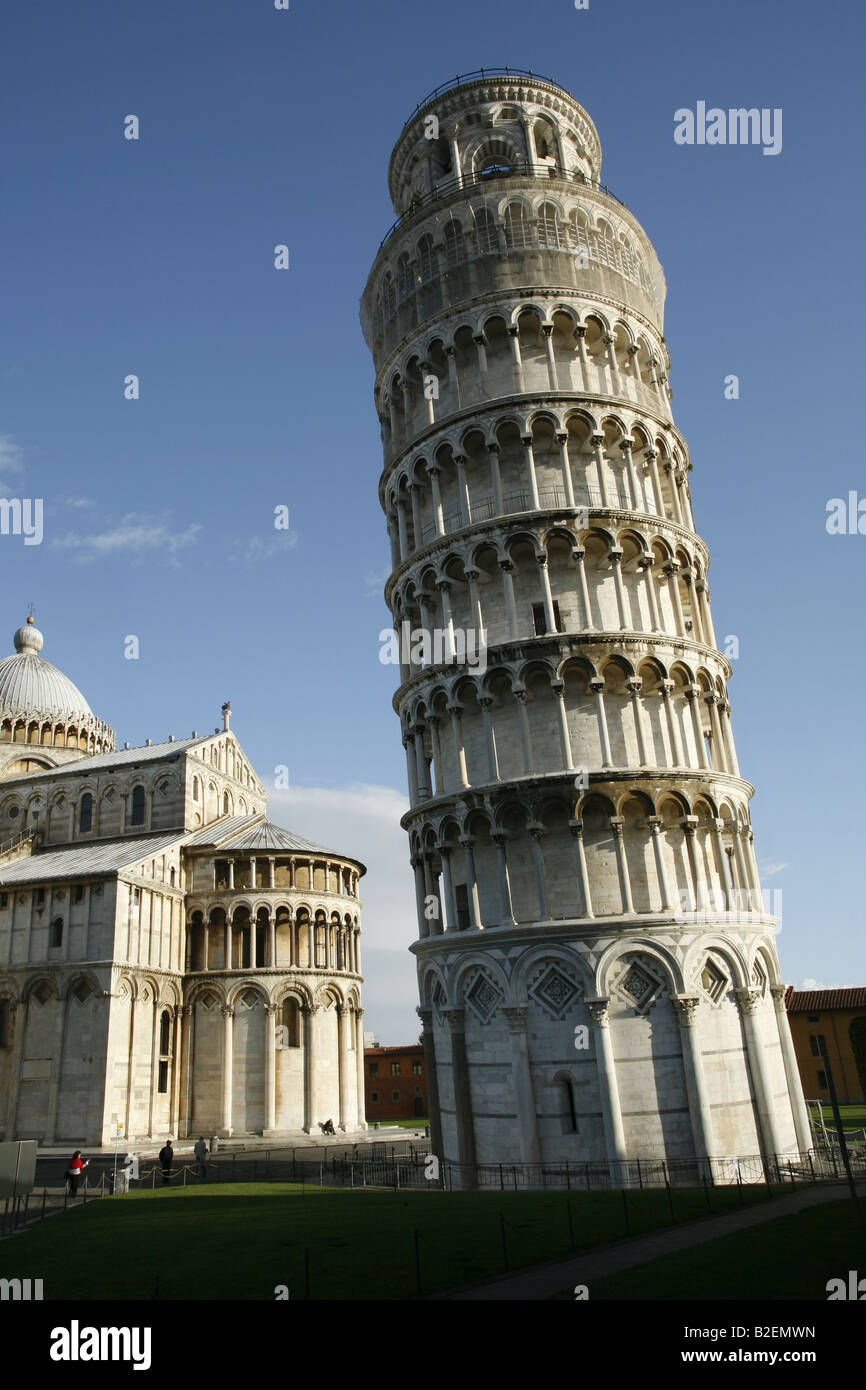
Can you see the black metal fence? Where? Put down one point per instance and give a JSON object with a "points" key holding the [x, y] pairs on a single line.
{"points": [[411, 1166]]}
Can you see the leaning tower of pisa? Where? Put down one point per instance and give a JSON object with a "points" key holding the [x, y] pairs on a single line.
{"points": [[597, 968]]}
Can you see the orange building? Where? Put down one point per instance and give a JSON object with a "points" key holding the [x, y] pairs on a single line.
{"points": [[395, 1086], [839, 1016]]}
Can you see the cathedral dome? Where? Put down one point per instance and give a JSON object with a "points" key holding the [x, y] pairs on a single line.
{"points": [[32, 687]]}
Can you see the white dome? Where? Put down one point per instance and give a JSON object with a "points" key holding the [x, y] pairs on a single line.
{"points": [[30, 686]]}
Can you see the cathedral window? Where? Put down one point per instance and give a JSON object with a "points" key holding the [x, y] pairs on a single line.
{"points": [[164, 1051], [196, 794], [290, 1020], [55, 933], [137, 806], [5, 1024], [569, 1118]]}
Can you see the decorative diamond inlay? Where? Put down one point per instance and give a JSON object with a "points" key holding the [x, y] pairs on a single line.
{"points": [[483, 997], [82, 991], [713, 981], [554, 991], [638, 984]]}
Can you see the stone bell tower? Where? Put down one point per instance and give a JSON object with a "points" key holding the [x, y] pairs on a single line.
{"points": [[597, 970]]}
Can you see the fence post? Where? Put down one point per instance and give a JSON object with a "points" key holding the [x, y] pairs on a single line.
{"points": [[707, 1193], [811, 1166], [739, 1184], [670, 1192], [501, 1179], [639, 1175]]}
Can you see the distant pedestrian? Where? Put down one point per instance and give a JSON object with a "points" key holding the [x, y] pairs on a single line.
{"points": [[74, 1171], [200, 1152], [166, 1158]]}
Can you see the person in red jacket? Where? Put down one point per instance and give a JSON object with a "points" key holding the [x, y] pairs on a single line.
{"points": [[74, 1171]]}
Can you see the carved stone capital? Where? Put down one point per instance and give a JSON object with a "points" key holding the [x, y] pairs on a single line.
{"points": [[456, 1019], [748, 999], [598, 1011], [686, 1007]]}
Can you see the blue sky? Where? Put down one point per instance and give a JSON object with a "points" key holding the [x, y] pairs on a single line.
{"points": [[155, 257]]}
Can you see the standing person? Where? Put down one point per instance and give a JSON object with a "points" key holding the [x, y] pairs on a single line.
{"points": [[74, 1171], [200, 1152], [166, 1157]]}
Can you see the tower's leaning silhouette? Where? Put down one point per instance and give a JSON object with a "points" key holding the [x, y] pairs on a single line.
{"points": [[597, 972]]}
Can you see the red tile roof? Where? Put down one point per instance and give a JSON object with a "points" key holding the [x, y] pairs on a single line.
{"points": [[812, 1001]]}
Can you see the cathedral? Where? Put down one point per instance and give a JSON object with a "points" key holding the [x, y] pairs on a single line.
{"points": [[171, 962], [597, 967]]}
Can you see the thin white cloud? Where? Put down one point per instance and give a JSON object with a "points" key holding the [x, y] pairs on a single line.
{"points": [[768, 870], [374, 583], [135, 534], [809, 984], [256, 548]]}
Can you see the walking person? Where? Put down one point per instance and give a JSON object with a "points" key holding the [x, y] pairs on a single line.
{"points": [[74, 1172], [166, 1158], [200, 1152]]}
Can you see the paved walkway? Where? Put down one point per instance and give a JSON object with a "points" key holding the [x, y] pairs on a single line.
{"points": [[533, 1285]]}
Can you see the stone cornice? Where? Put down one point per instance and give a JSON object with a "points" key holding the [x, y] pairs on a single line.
{"points": [[494, 525], [595, 933], [559, 646], [481, 796]]}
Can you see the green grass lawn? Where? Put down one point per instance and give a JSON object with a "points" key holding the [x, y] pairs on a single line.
{"points": [[853, 1116], [397, 1124], [241, 1240], [793, 1257]]}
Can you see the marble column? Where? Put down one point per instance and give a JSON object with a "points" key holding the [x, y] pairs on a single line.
{"points": [[686, 1008], [466, 1152], [749, 1001], [309, 1012], [614, 1131], [228, 1014], [270, 1068], [521, 1080], [343, 1066], [792, 1073], [428, 1042]]}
